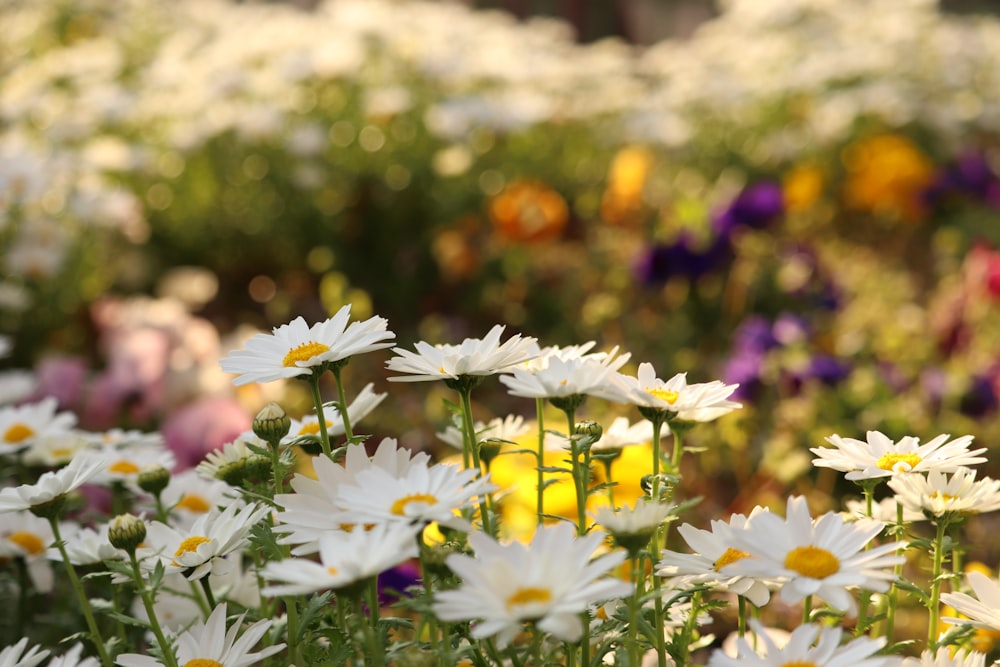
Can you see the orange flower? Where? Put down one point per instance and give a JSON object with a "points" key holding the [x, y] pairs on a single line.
{"points": [[529, 210], [802, 187], [887, 175]]}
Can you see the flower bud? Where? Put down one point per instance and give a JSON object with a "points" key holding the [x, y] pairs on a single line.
{"points": [[256, 467], [126, 532], [589, 428], [154, 479], [271, 424]]}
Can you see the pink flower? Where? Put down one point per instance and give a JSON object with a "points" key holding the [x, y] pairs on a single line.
{"points": [[203, 426]]}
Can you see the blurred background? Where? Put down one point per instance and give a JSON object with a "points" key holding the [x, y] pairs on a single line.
{"points": [[800, 196]]}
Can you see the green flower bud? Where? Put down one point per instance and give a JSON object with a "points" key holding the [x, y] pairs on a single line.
{"points": [[50, 508], [488, 450], [271, 424], [126, 532], [256, 467], [589, 428], [154, 479]]}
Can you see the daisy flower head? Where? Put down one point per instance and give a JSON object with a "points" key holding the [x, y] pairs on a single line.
{"points": [[632, 526], [823, 557], [56, 450], [498, 429], [15, 655], [473, 358], [345, 558], [125, 462], [88, 546], [362, 405], [809, 644], [879, 456], [188, 496], [44, 497], [74, 658], [983, 610], [227, 463], [314, 507], [425, 493], [713, 550], [21, 425], [698, 402], [202, 549], [548, 582], [212, 644], [564, 352], [885, 510], [564, 377], [296, 349], [945, 656], [940, 496], [24, 535], [621, 434]]}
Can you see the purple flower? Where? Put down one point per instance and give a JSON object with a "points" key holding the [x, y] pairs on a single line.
{"points": [[756, 206], [683, 258]]}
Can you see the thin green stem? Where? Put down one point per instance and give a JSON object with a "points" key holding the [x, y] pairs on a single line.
{"points": [[432, 629], [372, 645], [292, 617], [890, 612], [657, 419], [209, 596], [324, 435], [470, 444], [634, 652], [154, 624], [203, 606], [741, 615], [88, 613], [687, 638], [806, 609], [608, 463], [342, 403], [540, 501], [934, 605], [581, 476]]}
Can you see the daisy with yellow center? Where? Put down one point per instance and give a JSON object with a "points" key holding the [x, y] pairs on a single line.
{"points": [[22, 425], [202, 549], [363, 404], [189, 496], [939, 495], [714, 549], [697, 402], [472, 357], [211, 644], [345, 558], [879, 456], [548, 582], [825, 557], [296, 349], [125, 462], [808, 645], [26, 536]]}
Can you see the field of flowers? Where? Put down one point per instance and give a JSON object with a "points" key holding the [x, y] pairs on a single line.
{"points": [[397, 332]]}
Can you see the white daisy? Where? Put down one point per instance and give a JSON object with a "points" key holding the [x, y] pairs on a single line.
{"points": [[878, 456], [24, 535], [88, 546], [808, 644], [212, 645], [505, 429], [227, 463], [938, 495], [714, 549], [125, 462], [16, 656], [16, 385], [822, 557], [294, 349], [885, 510], [548, 582], [22, 424], [74, 658], [313, 509], [698, 402], [423, 494], [946, 656], [344, 559], [473, 357], [632, 526], [188, 496], [983, 612], [564, 352], [119, 437], [366, 401], [51, 485], [559, 377], [201, 549], [621, 433], [53, 451]]}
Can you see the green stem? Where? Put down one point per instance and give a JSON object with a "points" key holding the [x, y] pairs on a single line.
{"points": [[200, 600], [806, 609], [657, 419], [342, 403], [432, 629], [687, 638], [581, 476], [147, 601], [292, 615], [675, 456], [373, 648], [324, 435], [934, 605], [890, 612], [470, 445], [635, 655], [88, 613], [540, 502], [209, 596], [608, 478], [741, 616]]}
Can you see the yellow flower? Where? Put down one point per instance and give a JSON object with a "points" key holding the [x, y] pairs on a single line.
{"points": [[528, 210], [887, 175], [802, 187], [621, 203]]}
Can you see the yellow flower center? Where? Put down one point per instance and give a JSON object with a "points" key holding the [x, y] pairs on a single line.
{"points": [[17, 433], [799, 663], [811, 561], [191, 544], [32, 544], [304, 352], [664, 394], [944, 497], [399, 507], [60, 453], [309, 429], [332, 570], [192, 502], [730, 556], [529, 595], [202, 662], [123, 467], [890, 461]]}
